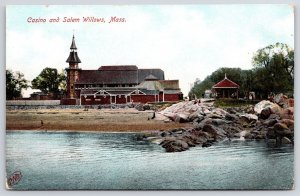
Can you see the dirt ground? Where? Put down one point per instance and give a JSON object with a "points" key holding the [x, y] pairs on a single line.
{"points": [[120, 120]]}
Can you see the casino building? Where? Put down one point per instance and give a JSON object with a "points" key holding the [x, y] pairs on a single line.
{"points": [[116, 84]]}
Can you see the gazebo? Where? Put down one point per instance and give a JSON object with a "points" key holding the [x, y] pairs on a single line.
{"points": [[226, 89]]}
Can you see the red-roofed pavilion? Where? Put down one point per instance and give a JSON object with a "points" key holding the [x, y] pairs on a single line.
{"points": [[226, 89]]}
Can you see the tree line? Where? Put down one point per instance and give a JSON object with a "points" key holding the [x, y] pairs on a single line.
{"points": [[48, 81], [272, 73]]}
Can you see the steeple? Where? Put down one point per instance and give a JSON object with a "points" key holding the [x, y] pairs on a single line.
{"points": [[73, 57]]}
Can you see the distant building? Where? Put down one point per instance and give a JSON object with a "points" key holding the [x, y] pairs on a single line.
{"points": [[226, 89], [208, 94], [116, 84]]}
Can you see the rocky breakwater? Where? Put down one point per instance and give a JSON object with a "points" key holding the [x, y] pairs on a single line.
{"points": [[265, 120], [276, 121]]}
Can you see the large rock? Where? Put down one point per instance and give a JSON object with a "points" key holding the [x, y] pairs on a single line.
{"points": [[286, 140], [174, 145], [265, 113], [146, 107], [215, 116], [282, 129], [219, 112], [288, 122], [278, 132], [218, 122], [186, 111], [270, 122], [279, 98], [214, 131], [231, 110], [231, 117], [181, 118], [139, 107], [195, 115], [287, 113], [248, 118], [284, 101], [204, 122], [274, 116], [267, 104]]}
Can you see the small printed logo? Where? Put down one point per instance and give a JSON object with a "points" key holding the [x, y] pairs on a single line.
{"points": [[14, 179]]}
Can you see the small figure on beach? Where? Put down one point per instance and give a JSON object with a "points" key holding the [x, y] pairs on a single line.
{"points": [[42, 123], [153, 116]]}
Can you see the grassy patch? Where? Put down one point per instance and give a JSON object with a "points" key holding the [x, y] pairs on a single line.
{"points": [[224, 103]]}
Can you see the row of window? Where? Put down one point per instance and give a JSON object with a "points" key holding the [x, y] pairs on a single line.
{"points": [[104, 85]]}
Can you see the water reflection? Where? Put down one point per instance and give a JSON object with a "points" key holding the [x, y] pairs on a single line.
{"points": [[73, 141]]}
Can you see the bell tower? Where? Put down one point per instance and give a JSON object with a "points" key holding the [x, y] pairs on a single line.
{"points": [[73, 70]]}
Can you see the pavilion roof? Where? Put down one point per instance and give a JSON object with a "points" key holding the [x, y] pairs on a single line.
{"points": [[226, 83]]}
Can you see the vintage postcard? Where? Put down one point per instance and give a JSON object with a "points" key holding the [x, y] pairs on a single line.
{"points": [[150, 97]]}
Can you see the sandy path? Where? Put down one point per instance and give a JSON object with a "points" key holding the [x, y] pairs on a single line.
{"points": [[91, 120]]}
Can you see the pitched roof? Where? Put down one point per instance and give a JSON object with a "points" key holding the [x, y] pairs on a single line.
{"points": [[120, 74], [107, 77], [118, 68], [226, 83], [151, 77], [73, 45], [73, 58], [143, 73]]}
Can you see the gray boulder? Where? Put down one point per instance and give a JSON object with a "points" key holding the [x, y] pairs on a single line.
{"points": [[270, 122], [286, 140], [265, 113], [174, 145], [248, 118], [181, 118], [214, 131], [231, 117]]}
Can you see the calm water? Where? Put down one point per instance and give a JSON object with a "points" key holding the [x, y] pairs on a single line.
{"points": [[119, 161]]}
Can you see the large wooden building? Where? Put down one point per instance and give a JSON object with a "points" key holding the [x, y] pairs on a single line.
{"points": [[116, 84]]}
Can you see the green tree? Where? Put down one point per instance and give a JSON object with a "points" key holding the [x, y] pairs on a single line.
{"points": [[234, 74], [274, 67], [273, 72], [15, 82], [49, 80]]}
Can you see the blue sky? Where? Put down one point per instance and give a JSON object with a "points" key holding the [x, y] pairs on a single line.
{"points": [[186, 41]]}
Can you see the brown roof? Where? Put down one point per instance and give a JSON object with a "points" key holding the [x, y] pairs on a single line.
{"points": [[143, 73], [73, 45], [121, 74], [118, 68], [73, 58], [107, 77]]}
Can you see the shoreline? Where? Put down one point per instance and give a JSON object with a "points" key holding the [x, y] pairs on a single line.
{"points": [[80, 131], [93, 120]]}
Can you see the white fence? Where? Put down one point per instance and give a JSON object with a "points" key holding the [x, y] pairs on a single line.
{"points": [[32, 102]]}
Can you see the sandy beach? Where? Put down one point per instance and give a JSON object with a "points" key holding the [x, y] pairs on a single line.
{"points": [[115, 120]]}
